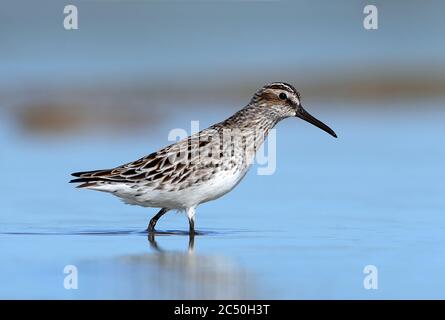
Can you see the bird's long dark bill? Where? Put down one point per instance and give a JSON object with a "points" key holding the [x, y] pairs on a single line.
{"points": [[303, 114]]}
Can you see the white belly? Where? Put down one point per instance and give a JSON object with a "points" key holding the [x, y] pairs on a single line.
{"points": [[219, 185]]}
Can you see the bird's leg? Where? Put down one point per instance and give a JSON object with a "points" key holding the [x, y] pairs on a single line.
{"points": [[154, 220], [191, 217], [192, 226]]}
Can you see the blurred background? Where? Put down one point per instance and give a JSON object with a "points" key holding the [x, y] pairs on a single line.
{"points": [[111, 91]]}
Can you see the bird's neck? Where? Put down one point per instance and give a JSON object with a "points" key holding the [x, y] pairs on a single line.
{"points": [[253, 117], [253, 123]]}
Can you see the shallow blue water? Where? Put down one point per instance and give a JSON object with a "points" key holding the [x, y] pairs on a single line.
{"points": [[375, 196], [372, 197]]}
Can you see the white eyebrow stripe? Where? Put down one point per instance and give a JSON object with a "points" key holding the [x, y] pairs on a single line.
{"points": [[287, 87], [281, 86]]}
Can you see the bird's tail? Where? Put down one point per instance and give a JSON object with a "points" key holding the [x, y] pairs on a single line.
{"points": [[91, 178]]}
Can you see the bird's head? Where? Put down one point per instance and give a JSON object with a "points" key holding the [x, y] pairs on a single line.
{"points": [[284, 100]]}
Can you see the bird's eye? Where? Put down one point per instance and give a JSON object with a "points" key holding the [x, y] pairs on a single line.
{"points": [[282, 96]]}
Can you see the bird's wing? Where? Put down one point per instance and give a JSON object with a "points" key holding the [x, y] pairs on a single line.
{"points": [[170, 165]]}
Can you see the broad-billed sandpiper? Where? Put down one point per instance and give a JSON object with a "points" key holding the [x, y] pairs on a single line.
{"points": [[206, 165]]}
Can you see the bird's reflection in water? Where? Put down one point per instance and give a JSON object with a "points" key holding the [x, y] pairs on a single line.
{"points": [[185, 274], [154, 245]]}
